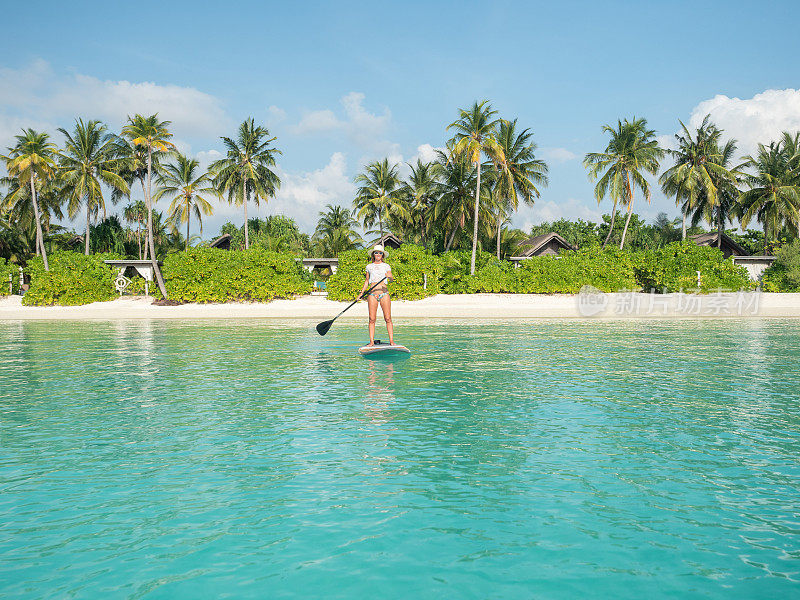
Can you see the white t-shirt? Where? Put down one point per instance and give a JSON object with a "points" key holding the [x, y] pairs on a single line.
{"points": [[377, 271]]}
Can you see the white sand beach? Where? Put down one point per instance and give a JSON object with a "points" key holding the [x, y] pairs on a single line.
{"points": [[466, 306]]}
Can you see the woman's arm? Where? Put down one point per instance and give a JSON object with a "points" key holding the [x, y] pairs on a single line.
{"points": [[389, 275]]}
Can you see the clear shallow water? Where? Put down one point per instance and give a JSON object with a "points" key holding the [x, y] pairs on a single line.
{"points": [[534, 460]]}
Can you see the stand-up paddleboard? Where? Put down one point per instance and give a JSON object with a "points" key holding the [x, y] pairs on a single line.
{"points": [[383, 349]]}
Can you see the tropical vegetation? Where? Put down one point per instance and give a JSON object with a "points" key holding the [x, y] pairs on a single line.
{"points": [[247, 167], [453, 212]]}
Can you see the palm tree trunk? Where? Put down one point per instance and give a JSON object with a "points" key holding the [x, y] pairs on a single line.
{"points": [[246, 228], [475, 226], [628, 220], [499, 225], [188, 218], [765, 235], [39, 235], [630, 211], [380, 223], [611, 227], [683, 224], [86, 249], [720, 233], [150, 243], [139, 223], [450, 241]]}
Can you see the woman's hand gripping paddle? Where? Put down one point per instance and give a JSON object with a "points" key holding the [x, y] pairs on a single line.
{"points": [[323, 327]]}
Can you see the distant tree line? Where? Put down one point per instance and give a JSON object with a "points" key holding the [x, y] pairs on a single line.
{"points": [[462, 199]]}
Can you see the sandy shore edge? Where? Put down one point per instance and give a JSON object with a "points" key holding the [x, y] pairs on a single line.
{"points": [[467, 306]]}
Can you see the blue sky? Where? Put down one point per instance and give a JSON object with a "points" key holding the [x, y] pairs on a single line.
{"points": [[344, 83]]}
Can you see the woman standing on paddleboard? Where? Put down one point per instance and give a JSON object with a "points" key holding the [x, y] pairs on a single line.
{"points": [[377, 270]]}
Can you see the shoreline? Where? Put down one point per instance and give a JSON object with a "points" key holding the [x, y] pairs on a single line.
{"points": [[599, 306]]}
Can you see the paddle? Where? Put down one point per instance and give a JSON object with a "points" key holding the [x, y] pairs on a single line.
{"points": [[323, 327]]}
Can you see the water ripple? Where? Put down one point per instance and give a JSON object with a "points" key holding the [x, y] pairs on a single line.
{"points": [[549, 459]]}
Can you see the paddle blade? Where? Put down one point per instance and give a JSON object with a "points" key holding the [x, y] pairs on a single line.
{"points": [[323, 327]]}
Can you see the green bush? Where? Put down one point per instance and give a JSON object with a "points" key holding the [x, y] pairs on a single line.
{"points": [[212, 275], [349, 276], [783, 275], [495, 276], [674, 267], [608, 270], [410, 264], [491, 275], [73, 279], [7, 269]]}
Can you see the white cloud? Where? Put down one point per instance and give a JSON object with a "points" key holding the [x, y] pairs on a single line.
{"points": [[276, 114], [11, 126], [182, 146], [558, 155], [364, 129], [426, 153], [760, 119], [206, 157], [303, 195], [318, 121], [667, 142], [37, 92]]}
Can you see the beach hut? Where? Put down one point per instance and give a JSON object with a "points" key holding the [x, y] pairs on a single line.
{"points": [[387, 240], [546, 244], [728, 246], [223, 242]]}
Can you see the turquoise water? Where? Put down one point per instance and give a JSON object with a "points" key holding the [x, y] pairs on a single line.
{"points": [[529, 460]]}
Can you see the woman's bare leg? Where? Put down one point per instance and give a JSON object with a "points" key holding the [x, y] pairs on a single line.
{"points": [[372, 304], [386, 309]]}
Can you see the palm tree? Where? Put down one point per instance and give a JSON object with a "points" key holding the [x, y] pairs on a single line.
{"points": [[457, 175], [166, 237], [108, 236], [475, 135], [181, 182], [154, 135], [718, 208], [519, 171], [17, 207], [379, 194], [698, 168], [334, 218], [133, 169], [512, 240], [136, 212], [31, 161], [247, 167], [791, 149], [334, 232], [421, 191], [774, 195], [631, 152], [89, 159]]}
